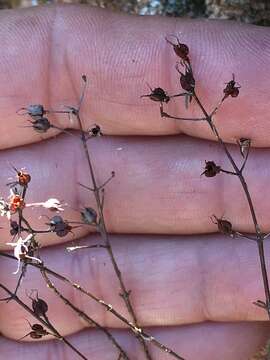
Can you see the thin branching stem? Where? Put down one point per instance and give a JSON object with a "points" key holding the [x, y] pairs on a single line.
{"points": [[138, 331], [104, 234], [82, 314], [45, 323], [258, 232]]}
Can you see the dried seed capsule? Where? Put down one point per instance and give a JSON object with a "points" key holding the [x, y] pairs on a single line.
{"points": [[59, 226], [16, 202], [95, 131], [41, 125], [35, 335], [211, 169], [39, 307], [14, 227], [187, 81], [231, 89], [89, 216], [23, 178], [35, 110], [158, 94], [224, 226], [180, 49]]}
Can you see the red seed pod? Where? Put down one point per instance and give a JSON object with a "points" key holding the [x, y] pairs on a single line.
{"points": [[158, 94], [16, 202], [23, 178], [180, 49], [211, 169]]}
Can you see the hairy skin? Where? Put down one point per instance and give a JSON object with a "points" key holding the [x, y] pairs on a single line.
{"points": [[193, 289]]}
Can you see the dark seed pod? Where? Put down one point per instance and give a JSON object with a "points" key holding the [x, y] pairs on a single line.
{"points": [[55, 220], [23, 178], [38, 328], [158, 94], [35, 335], [39, 307], [211, 169], [59, 226], [231, 89], [14, 227], [224, 226], [89, 216], [36, 110], [187, 81], [95, 131], [41, 125], [180, 49]]}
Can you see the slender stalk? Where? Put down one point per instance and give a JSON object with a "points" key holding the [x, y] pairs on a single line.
{"points": [[138, 331], [47, 325], [104, 234], [239, 173], [82, 314]]}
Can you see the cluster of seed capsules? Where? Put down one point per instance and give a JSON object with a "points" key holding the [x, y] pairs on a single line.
{"points": [[187, 80]]}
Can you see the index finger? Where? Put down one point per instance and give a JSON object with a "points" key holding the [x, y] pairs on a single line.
{"points": [[120, 54]]}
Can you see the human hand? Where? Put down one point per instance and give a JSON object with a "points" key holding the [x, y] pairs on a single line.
{"points": [[192, 288]]}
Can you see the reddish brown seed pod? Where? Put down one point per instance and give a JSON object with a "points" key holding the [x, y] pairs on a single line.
{"points": [[23, 178], [224, 226], [231, 89], [158, 94], [211, 169], [16, 202], [180, 49], [187, 80]]}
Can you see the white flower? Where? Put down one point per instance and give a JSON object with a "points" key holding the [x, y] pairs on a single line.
{"points": [[21, 250], [50, 204]]}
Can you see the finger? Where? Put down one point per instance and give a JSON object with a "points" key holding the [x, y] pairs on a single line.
{"points": [[119, 63], [232, 342], [157, 188], [177, 280]]}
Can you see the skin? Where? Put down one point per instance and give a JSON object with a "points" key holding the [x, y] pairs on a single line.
{"points": [[191, 288]]}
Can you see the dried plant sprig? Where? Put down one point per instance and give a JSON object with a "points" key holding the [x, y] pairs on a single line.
{"points": [[102, 227], [83, 315], [187, 82], [138, 331], [42, 321]]}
